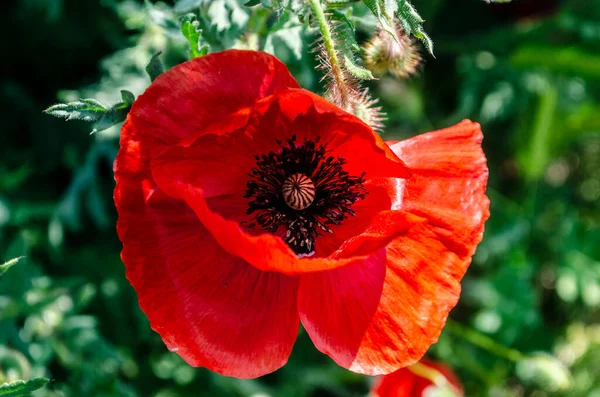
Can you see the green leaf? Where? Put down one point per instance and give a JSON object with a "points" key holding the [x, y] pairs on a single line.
{"points": [[192, 32], [84, 109], [425, 39], [93, 111], [21, 388], [378, 8], [252, 3], [7, 265], [411, 22], [357, 71], [155, 67], [337, 15], [116, 114]]}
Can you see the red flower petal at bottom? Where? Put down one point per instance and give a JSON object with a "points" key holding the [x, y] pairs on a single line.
{"points": [[384, 312], [408, 383], [213, 309]]}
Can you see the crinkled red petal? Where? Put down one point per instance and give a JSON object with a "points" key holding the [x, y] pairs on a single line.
{"points": [[212, 94], [213, 309], [214, 170], [447, 187], [406, 383], [383, 313]]}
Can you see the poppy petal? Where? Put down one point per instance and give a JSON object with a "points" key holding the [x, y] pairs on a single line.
{"points": [[211, 308], [207, 92], [448, 182], [382, 313], [178, 270], [217, 167], [378, 199], [406, 382]]}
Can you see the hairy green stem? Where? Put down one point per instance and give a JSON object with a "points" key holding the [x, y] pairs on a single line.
{"points": [[329, 45], [483, 341]]}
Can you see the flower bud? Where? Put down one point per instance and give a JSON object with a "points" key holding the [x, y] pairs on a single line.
{"points": [[365, 108], [544, 371], [384, 54]]}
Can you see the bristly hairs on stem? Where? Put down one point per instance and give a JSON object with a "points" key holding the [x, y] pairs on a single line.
{"points": [[335, 52]]}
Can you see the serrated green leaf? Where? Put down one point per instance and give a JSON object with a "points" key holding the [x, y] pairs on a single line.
{"points": [[116, 114], [191, 31], [155, 67], [337, 15], [21, 388], [84, 109], [411, 23], [7, 265], [378, 9], [93, 111], [425, 39], [357, 71]]}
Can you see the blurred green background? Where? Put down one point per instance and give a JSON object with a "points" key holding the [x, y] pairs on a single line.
{"points": [[529, 71]]}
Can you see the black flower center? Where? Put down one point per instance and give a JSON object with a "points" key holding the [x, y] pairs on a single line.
{"points": [[300, 191]]}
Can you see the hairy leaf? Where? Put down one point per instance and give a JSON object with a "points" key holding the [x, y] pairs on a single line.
{"points": [[7, 265], [116, 114], [84, 109], [337, 15], [412, 23], [357, 71], [21, 388], [155, 67], [378, 8], [192, 32], [93, 111]]}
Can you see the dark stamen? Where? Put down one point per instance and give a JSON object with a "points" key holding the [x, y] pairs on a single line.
{"points": [[300, 191]]}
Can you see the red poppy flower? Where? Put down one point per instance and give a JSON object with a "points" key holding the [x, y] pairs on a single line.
{"points": [[248, 205], [419, 382]]}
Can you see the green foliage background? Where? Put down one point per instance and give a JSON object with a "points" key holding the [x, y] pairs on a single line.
{"points": [[529, 71]]}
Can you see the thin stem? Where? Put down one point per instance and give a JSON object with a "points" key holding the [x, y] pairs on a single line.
{"points": [[483, 341], [329, 45]]}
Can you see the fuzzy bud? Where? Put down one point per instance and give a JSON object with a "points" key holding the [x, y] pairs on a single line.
{"points": [[365, 108], [383, 54]]}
